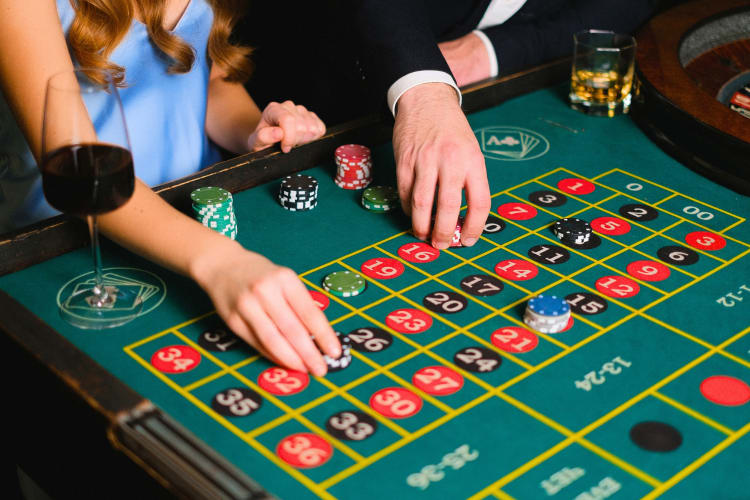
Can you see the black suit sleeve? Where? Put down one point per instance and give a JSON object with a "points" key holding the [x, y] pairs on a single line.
{"points": [[532, 37], [395, 38]]}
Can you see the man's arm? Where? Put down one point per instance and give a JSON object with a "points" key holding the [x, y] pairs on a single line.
{"points": [[437, 155]]}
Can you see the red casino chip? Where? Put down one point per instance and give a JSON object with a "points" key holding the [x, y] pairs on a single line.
{"points": [[396, 402], [304, 450], [648, 270], [516, 269], [418, 252], [576, 186], [610, 226], [516, 211], [382, 268], [175, 359], [514, 339], [725, 390], [353, 153], [321, 300], [704, 240], [617, 286], [283, 382], [409, 321], [438, 380]]}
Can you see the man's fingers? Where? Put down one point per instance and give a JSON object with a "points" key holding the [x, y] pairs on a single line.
{"points": [[479, 204], [422, 199], [448, 207]]}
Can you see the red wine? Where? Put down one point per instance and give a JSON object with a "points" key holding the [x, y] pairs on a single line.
{"points": [[88, 179]]}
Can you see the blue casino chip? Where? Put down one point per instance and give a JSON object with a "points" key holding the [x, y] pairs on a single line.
{"points": [[548, 305]]}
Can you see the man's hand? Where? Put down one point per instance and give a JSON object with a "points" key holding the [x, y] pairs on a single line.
{"points": [[436, 149], [269, 307], [467, 58], [288, 123]]}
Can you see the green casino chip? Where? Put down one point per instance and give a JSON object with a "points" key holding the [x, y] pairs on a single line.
{"points": [[381, 195], [344, 283], [210, 196]]}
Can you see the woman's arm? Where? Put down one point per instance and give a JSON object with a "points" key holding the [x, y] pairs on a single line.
{"points": [[234, 122], [263, 303]]}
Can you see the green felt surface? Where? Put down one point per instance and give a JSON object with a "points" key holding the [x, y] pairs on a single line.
{"points": [[523, 422]]}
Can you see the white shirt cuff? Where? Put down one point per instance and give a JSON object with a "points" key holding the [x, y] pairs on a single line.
{"points": [[415, 78], [490, 52]]}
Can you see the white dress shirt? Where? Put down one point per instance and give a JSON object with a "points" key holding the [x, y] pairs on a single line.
{"points": [[498, 11]]}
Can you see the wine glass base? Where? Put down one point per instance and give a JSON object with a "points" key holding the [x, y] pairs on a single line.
{"points": [[85, 309]]}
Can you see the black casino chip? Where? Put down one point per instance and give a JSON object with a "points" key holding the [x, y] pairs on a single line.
{"points": [[445, 302], [236, 402], [677, 255], [370, 339], [547, 198], [638, 212], [482, 285], [656, 436], [351, 425], [477, 359], [548, 254]]}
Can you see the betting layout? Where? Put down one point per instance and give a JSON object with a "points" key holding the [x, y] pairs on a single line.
{"points": [[621, 398]]}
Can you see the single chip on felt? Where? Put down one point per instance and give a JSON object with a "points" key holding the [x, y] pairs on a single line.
{"points": [[344, 283], [572, 230], [656, 436]]}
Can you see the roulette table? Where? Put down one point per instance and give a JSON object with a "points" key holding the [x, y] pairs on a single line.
{"points": [[449, 394]]}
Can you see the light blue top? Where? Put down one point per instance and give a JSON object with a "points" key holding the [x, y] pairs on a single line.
{"points": [[165, 114]]}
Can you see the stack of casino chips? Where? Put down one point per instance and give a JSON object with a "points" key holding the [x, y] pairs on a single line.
{"points": [[380, 198], [298, 192], [456, 239], [213, 207], [547, 313], [353, 166], [740, 101], [345, 359], [572, 231]]}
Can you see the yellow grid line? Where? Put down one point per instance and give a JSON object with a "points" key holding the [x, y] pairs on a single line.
{"points": [[296, 474], [320, 489], [694, 200], [696, 415], [697, 463], [661, 231], [346, 450]]}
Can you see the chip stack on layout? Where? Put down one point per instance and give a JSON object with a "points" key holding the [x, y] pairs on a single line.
{"points": [[380, 198], [547, 313], [298, 192], [456, 239], [572, 231], [214, 208], [353, 166], [345, 359]]}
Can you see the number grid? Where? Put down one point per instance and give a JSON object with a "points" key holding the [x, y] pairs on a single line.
{"points": [[448, 413]]}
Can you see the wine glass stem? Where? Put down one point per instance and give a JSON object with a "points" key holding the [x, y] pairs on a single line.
{"points": [[99, 289]]}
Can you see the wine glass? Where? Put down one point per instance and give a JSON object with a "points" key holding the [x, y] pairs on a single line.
{"points": [[87, 169]]}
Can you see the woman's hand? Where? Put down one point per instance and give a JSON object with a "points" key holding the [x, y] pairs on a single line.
{"points": [[269, 307], [288, 123]]}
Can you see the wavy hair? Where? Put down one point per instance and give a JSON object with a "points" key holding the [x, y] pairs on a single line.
{"points": [[100, 25]]}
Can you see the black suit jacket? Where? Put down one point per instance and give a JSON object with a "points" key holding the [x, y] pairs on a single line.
{"points": [[400, 36], [339, 57]]}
